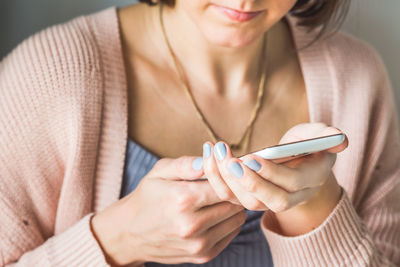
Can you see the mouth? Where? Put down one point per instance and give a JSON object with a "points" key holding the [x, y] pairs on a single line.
{"points": [[237, 15]]}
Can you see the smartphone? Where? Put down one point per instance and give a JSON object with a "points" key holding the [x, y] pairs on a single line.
{"points": [[285, 152], [289, 151]]}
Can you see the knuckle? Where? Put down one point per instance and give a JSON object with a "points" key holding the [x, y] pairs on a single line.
{"points": [[251, 185], [184, 202], [196, 193], [281, 203], [198, 246], [295, 183], [268, 169], [254, 205], [182, 163], [186, 231], [225, 195]]}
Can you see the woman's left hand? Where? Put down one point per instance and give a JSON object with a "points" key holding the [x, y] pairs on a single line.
{"points": [[303, 189]]}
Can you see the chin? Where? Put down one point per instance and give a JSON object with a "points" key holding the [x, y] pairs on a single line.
{"points": [[231, 38]]}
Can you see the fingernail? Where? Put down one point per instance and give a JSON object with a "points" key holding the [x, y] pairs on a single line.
{"points": [[220, 151], [197, 163], [253, 164], [235, 169], [206, 150]]}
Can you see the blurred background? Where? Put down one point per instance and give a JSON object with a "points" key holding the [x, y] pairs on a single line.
{"points": [[376, 22]]}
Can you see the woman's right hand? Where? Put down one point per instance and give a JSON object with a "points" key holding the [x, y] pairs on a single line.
{"points": [[168, 219]]}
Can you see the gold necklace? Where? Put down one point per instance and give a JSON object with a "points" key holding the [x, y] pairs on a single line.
{"points": [[243, 143]]}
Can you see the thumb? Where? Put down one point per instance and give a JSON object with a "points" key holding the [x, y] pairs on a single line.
{"points": [[313, 130], [182, 168], [342, 146]]}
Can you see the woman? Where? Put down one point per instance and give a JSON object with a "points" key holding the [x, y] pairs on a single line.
{"points": [[102, 117]]}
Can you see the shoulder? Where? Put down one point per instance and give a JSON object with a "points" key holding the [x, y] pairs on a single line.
{"points": [[353, 59], [358, 74], [60, 62], [64, 50], [59, 51], [54, 59], [354, 69], [51, 82], [351, 62]]}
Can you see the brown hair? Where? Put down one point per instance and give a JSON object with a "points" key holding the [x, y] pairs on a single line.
{"points": [[328, 15]]}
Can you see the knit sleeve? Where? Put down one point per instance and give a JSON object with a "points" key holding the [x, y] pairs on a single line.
{"points": [[364, 227], [74, 247], [41, 85]]}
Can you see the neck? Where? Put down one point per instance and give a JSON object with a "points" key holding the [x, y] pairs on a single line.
{"points": [[226, 71]]}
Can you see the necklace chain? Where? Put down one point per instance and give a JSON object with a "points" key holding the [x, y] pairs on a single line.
{"points": [[243, 143]]}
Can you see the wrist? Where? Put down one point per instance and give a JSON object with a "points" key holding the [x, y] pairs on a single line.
{"points": [[312, 213], [105, 232], [98, 233]]}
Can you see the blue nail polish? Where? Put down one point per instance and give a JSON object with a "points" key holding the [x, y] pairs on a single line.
{"points": [[197, 163], [206, 150], [220, 151], [253, 164], [235, 169]]}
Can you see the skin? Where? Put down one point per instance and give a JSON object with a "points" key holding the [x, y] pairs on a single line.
{"points": [[169, 219]]}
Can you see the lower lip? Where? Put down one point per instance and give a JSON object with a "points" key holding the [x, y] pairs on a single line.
{"points": [[238, 16]]}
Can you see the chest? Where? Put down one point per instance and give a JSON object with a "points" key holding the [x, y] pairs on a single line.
{"points": [[163, 120]]}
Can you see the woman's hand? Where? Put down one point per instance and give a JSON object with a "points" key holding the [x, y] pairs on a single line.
{"points": [[167, 219], [303, 190]]}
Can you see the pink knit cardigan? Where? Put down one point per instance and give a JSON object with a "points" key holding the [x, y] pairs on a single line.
{"points": [[63, 134]]}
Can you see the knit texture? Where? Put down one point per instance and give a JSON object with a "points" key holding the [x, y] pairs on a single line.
{"points": [[63, 134]]}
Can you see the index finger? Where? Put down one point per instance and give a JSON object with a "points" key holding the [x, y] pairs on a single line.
{"points": [[182, 168], [205, 194]]}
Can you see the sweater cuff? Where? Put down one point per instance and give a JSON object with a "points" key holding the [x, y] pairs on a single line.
{"points": [[77, 246], [339, 240]]}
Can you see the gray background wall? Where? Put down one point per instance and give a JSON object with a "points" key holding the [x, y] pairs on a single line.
{"points": [[377, 22]]}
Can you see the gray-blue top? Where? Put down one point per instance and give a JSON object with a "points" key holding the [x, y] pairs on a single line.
{"points": [[248, 248]]}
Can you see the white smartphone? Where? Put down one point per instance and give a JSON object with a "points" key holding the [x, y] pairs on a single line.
{"points": [[289, 151], [285, 152]]}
